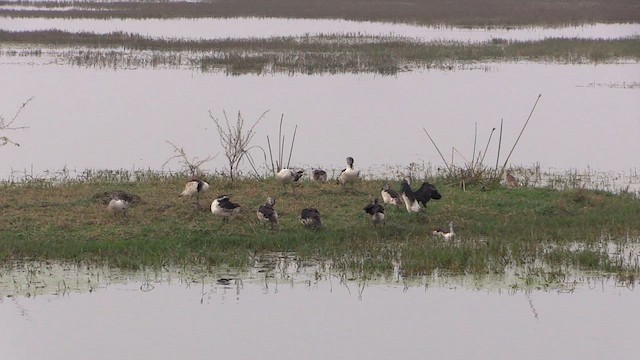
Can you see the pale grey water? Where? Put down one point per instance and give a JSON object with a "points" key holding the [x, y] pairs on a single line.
{"points": [[588, 115], [168, 316], [270, 27]]}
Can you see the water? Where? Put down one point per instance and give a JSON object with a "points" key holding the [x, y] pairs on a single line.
{"points": [[588, 116], [270, 27], [170, 315]]}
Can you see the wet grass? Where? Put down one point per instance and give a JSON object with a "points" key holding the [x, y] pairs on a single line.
{"points": [[432, 12], [307, 55], [498, 228]]}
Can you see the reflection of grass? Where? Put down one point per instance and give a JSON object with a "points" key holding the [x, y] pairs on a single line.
{"points": [[317, 54], [497, 228], [459, 12]]}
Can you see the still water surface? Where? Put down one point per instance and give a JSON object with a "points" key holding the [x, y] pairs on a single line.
{"points": [[135, 317], [588, 115], [270, 27]]}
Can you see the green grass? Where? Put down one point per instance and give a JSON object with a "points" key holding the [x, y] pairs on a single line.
{"points": [[432, 12], [497, 228]]}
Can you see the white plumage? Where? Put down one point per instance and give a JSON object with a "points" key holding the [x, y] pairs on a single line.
{"points": [[409, 198], [350, 174], [390, 196], [224, 208], [288, 176], [118, 206], [195, 187], [447, 235]]}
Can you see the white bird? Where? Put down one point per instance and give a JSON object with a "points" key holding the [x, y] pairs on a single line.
{"points": [[195, 187], [117, 205], [267, 214], [288, 176], [223, 207], [445, 234], [310, 217], [349, 174], [319, 175], [390, 196], [376, 211]]}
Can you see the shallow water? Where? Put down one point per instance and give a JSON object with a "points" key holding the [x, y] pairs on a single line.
{"points": [[588, 116], [270, 27], [170, 315]]}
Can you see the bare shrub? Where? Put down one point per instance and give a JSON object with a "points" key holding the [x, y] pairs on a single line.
{"points": [[10, 125], [235, 140], [192, 166]]}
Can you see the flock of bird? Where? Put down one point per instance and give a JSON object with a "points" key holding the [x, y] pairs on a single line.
{"points": [[222, 206]]}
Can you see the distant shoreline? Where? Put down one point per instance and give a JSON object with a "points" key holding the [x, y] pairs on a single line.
{"points": [[428, 12]]}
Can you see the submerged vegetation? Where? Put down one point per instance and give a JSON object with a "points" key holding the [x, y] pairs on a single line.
{"points": [[432, 12], [308, 54], [498, 229]]}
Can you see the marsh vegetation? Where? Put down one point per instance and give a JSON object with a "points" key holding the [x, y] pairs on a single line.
{"points": [[432, 12], [304, 55]]}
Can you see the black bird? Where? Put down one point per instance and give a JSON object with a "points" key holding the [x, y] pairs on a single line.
{"points": [[310, 217], [413, 199], [267, 214], [223, 207], [427, 192], [376, 211]]}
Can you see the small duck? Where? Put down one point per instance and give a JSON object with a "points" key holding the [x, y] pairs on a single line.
{"points": [[195, 187], [390, 196], [349, 175], [319, 175], [288, 176], [445, 234], [310, 217], [223, 207], [511, 180], [376, 211], [117, 205], [267, 214]]}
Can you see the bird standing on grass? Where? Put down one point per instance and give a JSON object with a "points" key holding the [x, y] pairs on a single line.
{"points": [[390, 196], [409, 198], [319, 175], [414, 199], [224, 208], [445, 234], [376, 211], [195, 187], [288, 176], [310, 217], [349, 175], [117, 205], [511, 180], [267, 214]]}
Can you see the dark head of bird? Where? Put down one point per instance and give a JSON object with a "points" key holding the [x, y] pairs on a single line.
{"points": [[374, 207], [350, 161], [297, 175]]}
